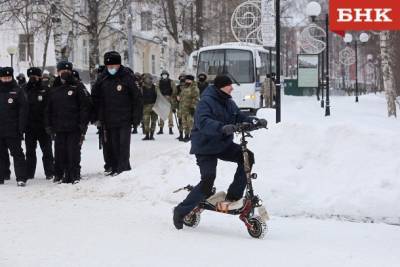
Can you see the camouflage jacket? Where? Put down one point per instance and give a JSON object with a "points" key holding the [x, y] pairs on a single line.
{"points": [[189, 97]]}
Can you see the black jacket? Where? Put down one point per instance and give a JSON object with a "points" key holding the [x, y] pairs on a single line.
{"points": [[37, 99], [68, 107], [117, 99], [13, 110], [165, 87], [149, 95]]}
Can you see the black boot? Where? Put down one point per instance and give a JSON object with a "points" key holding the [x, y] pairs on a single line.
{"points": [[178, 220], [180, 137], [134, 130], [160, 131], [187, 138], [147, 137], [170, 131], [152, 135]]}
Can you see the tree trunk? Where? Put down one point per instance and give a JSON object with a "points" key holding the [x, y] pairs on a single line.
{"points": [[93, 39], [388, 72], [57, 30], [46, 43], [199, 23]]}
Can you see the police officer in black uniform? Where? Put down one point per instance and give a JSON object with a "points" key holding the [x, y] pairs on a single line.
{"points": [[36, 132], [13, 117], [67, 118], [104, 145], [119, 106]]}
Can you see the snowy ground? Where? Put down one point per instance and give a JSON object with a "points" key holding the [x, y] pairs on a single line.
{"points": [[316, 174]]}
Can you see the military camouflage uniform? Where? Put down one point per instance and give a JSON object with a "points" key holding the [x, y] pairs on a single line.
{"points": [[266, 92], [188, 99], [149, 92]]}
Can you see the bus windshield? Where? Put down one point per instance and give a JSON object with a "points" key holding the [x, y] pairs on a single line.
{"points": [[237, 63]]}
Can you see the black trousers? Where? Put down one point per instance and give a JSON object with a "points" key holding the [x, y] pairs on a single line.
{"points": [[31, 140], [67, 152], [6, 173], [107, 151], [119, 144], [208, 172], [15, 147]]}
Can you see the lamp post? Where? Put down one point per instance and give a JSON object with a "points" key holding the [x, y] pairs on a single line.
{"points": [[363, 38], [278, 59], [313, 10], [12, 50]]}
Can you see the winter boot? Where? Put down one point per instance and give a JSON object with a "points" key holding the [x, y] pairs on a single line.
{"points": [[180, 137], [147, 137], [187, 138], [134, 130], [57, 179], [50, 177], [178, 220], [170, 131], [160, 131], [21, 183], [152, 135]]}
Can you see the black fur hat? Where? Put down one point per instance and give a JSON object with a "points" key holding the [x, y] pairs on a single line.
{"points": [[34, 71], [112, 58], [6, 71]]}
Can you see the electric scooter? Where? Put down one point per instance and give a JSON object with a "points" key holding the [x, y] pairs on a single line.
{"points": [[245, 207]]}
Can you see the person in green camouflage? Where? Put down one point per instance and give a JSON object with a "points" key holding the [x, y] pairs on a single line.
{"points": [[188, 99], [175, 105], [149, 99]]}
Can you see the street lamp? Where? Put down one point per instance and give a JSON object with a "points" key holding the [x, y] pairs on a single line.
{"points": [[12, 50], [363, 38], [313, 10]]}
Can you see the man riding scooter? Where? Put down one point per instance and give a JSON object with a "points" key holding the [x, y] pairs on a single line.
{"points": [[212, 139]]}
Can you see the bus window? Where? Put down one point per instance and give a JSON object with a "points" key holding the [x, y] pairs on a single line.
{"points": [[239, 64], [211, 62]]}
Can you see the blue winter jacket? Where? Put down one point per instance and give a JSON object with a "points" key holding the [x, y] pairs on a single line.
{"points": [[213, 112]]}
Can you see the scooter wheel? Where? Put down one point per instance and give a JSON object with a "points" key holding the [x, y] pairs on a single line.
{"points": [[258, 229], [192, 219]]}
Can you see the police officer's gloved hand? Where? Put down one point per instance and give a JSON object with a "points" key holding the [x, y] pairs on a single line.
{"points": [[50, 132], [228, 129], [83, 129]]}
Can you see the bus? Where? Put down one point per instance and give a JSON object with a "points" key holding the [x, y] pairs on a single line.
{"points": [[246, 64]]}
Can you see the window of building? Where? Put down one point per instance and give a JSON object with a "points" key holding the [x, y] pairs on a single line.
{"points": [[153, 64], [146, 21], [23, 47], [84, 52]]}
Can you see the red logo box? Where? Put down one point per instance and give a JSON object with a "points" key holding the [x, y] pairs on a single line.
{"points": [[362, 15]]}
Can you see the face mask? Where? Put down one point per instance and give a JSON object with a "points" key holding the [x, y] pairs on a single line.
{"points": [[112, 71], [32, 80], [164, 77], [202, 79]]}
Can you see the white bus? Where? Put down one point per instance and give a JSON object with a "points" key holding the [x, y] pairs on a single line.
{"points": [[246, 64]]}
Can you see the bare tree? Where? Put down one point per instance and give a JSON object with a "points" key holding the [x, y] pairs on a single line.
{"points": [[387, 70]]}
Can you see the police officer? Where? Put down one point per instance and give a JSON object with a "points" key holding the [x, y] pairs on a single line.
{"points": [[13, 117], [188, 99], [95, 94], [202, 82], [35, 132], [67, 117], [149, 92], [119, 108], [168, 90]]}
